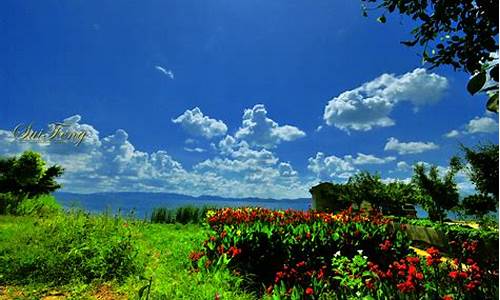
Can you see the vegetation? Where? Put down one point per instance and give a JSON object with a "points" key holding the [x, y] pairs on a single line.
{"points": [[350, 255], [439, 194], [25, 177], [462, 34], [481, 165], [183, 215], [84, 256], [249, 253]]}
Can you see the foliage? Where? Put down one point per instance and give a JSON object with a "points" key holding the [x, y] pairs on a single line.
{"points": [[370, 187], [439, 194], [481, 166], [183, 215], [43, 206], [365, 186], [25, 177], [70, 247], [310, 255], [462, 34], [286, 249]]}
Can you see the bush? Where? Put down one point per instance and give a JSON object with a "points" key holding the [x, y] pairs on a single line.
{"points": [[70, 247], [41, 206], [183, 215]]}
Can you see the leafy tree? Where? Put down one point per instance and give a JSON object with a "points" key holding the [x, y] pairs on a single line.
{"points": [[439, 193], [400, 193], [26, 177], [459, 33], [365, 186], [482, 168]]}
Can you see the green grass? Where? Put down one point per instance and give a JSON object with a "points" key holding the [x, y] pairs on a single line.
{"points": [[161, 250]]}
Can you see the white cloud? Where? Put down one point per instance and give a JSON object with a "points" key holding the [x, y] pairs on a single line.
{"points": [[369, 159], [331, 167], [196, 149], [259, 130], [409, 147], [113, 163], [194, 122], [477, 125], [482, 125], [370, 105], [165, 72], [452, 134], [403, 166]]}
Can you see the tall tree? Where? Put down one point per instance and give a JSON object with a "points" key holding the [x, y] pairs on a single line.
{"points": [[481, 166], [459, 33], [439, 193]]}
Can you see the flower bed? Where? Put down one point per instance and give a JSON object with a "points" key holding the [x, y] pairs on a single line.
{"points": [[307, 254]]}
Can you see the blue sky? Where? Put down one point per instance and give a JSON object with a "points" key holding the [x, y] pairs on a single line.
{"points": [[288, 93]]}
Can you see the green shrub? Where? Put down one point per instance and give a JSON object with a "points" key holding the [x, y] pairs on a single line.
{"points": [[183, 215], [70, 247], [41, 206]]}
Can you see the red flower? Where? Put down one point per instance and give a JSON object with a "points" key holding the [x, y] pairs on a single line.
{"points": [[406, 286], [419, 276], [448, 297], [301, 264], [453, 274], [217, 296], [369, 284], [386, 245], [309, 291], [470, 286]]}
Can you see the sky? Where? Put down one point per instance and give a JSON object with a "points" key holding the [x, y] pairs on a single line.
{"points": [[229, 98]]}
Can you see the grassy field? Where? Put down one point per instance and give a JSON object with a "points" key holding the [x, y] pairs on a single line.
{"points": [[162, 249]]}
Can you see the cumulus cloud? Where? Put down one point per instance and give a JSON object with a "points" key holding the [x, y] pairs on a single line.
{"points": [[259, 130], [477, 125], [112, 163], [452, 134], [331, 167], [394, 144], [371, 104], [197, 124], [482, 125]]}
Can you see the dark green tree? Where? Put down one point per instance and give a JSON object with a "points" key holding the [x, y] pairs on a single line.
{"points": [[481, 166], [459, 33], [366, 187], [26, 177], [439, 194]]}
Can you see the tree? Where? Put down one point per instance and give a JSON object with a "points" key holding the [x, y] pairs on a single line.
{"points": [[459, 33], [26, 177], [439, 194], [364, 186], [482, 168]]}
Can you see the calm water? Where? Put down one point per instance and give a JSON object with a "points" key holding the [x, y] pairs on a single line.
{"points": [[143, 207], [143, 204]]}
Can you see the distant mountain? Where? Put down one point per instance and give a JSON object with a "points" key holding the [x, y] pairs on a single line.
{"points": [[143, 203], [165, 196]]}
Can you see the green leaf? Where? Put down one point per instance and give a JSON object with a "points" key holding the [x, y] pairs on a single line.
{"points": [[141, 291], [381, 19], [492, 104], [476, 83]]}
